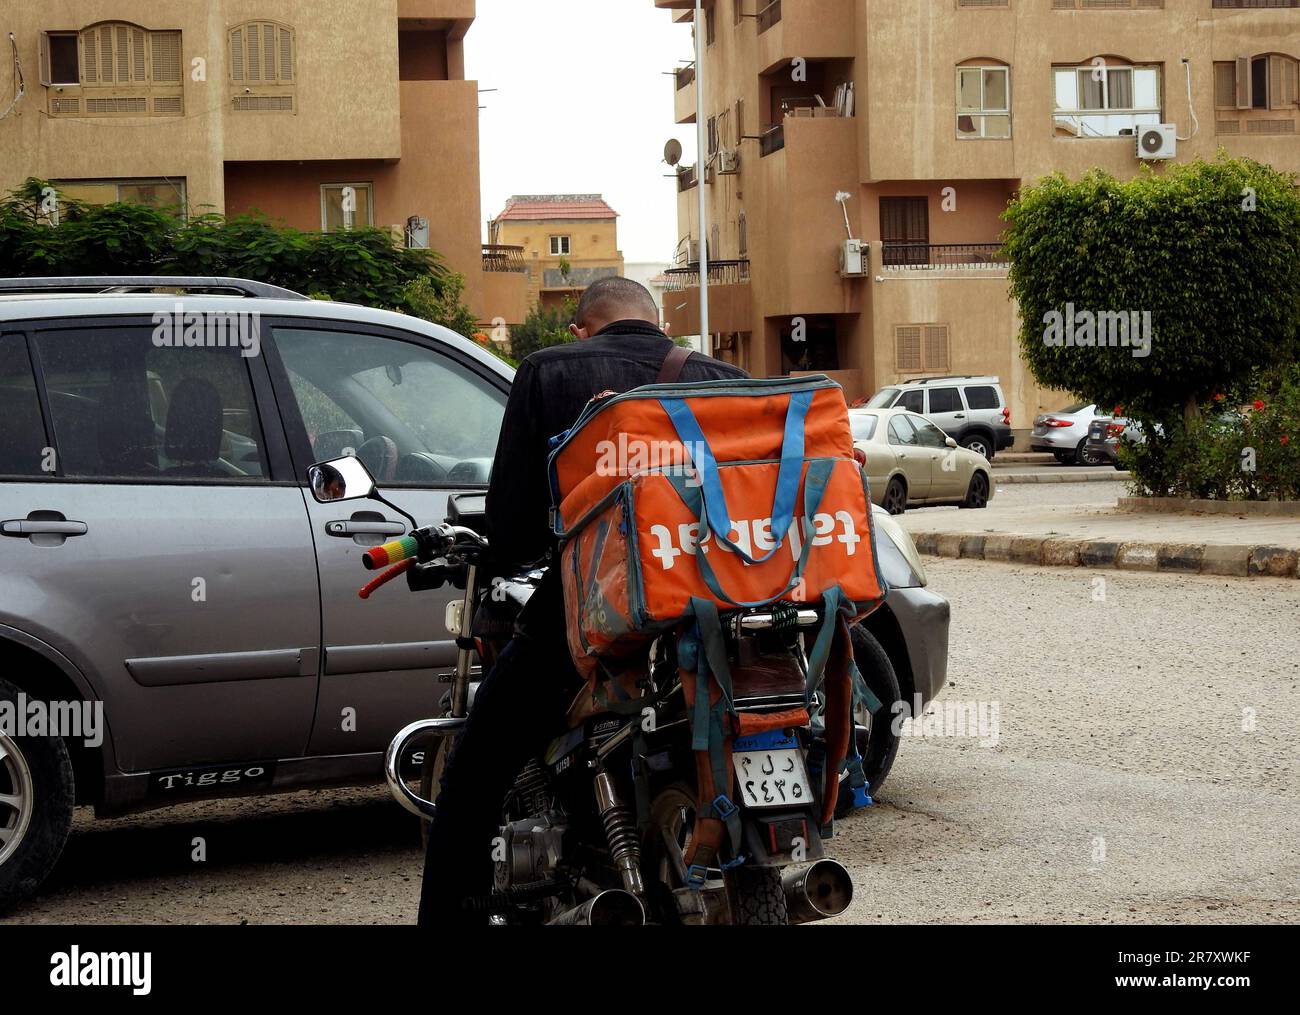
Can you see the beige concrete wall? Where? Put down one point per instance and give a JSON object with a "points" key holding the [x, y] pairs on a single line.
{"points": [[907, 79], [355, 121], [348, 102], [504, 297]]}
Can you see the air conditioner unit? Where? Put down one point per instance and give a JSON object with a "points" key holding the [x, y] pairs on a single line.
{"points": [[853, 259], [1157, 142], [728, 162], [693, 252]]}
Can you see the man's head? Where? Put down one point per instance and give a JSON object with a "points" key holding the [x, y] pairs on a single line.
{"points": [[610, 300]]}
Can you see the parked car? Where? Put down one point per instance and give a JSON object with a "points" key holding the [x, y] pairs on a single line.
{"points": [[1065, 434], [972, 410], [910, 462], [159, 554], [1105, 434]]}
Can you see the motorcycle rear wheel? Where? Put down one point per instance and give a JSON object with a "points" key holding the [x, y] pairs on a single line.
{"points": [[755, 896], [757, 899]]}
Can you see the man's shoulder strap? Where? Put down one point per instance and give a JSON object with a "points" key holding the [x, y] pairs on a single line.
{"points": [[674, 364]]}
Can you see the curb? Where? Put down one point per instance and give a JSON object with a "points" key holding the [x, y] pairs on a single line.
{"points": [[1065, 477], [1175, 558]]}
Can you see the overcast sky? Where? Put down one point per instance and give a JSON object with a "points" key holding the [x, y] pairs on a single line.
{"points": [[582, 106]]}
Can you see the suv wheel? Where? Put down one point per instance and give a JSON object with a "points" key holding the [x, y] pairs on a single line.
{"points": [[980, 444], [36, 799]]}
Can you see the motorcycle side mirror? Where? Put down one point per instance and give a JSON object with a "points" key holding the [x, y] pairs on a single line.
{"points": [[339, 480]]}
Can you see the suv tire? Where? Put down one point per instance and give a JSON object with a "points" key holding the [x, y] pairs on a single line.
{"points": [[980, 444], [36, 780]]}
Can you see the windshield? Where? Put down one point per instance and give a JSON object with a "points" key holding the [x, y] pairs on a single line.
{"points": [[883, 399]]}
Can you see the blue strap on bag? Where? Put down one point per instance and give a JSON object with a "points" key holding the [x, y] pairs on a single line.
{"points": [[715, 512]]}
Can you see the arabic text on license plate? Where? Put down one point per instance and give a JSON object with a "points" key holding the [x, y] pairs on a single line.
{"points": [[772, 778]]}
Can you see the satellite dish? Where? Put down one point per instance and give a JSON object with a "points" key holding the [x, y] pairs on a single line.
{"points": [[673, 152]]}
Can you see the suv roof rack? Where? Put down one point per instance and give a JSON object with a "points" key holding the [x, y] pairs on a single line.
{"points": [[952, 377], [107, 284]]}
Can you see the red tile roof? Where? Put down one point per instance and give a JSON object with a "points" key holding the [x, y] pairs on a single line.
{"points": [[543, 207]]}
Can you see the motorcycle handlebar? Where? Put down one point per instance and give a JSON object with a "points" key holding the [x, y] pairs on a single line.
{"points": [[422, 544]]}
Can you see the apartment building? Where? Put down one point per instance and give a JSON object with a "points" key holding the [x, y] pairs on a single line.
{"points": [[908, 125], [323, 113], [567, 241]]}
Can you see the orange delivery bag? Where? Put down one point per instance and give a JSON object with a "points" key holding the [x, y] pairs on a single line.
{"points": [[735, 493]]}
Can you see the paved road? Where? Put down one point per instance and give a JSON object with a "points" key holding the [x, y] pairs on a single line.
{"points": [[1123, 787]]}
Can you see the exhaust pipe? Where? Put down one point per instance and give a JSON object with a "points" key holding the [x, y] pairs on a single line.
{"points": [[816, 892], [612, 908]]}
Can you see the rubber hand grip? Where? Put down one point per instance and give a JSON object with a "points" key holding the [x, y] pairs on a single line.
{"points": [[393, 552]]}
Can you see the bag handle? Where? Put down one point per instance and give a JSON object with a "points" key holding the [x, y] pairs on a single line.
{"points": [[715, 512], [819, 476]]}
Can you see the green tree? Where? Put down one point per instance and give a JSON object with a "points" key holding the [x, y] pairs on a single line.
{"points": [[1210, 249], [362, 266], [542, 328]]}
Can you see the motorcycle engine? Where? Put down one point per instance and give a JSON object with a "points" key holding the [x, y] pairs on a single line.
{"points": [[530, 851], [531, 845]]}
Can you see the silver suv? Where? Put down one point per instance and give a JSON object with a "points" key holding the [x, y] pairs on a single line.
{"points": [[180, 609], [971, 410]]}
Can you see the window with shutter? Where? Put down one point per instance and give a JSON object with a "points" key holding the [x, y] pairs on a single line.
{"points": [[262, 72], [1251, 92], [921, 348], [907, 345], [113, 69]]}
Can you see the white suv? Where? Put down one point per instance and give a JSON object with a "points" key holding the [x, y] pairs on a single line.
{"points": [[971, 410]]}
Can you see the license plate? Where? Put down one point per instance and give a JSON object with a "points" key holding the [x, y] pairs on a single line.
{"points": [[770, 772]]}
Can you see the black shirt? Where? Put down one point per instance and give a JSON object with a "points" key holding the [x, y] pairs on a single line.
{"points": [[551, 388]]}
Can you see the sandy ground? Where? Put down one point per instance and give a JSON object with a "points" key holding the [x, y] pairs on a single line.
{"points": [[1129, 783]]}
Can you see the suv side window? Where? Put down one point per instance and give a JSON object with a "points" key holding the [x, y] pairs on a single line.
{"points": [[124, 407], [944, 400], [983, 397], [418, 417], [22, 433], [912, 401]]}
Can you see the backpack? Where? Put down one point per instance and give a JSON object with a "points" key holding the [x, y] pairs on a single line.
{"points": [[675, 503]]}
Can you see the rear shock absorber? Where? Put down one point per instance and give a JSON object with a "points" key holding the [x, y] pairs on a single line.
{"points": [[620, 831]]}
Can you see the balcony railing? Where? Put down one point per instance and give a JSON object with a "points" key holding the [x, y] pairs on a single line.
{"points": [[720, 273], [935, 256], [769, 16], [1242, 5], [499, 257]]}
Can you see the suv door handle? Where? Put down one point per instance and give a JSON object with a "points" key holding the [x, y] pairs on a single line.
{"points": [[43, 528], [959, 415], [23, 527], [354, 528]]}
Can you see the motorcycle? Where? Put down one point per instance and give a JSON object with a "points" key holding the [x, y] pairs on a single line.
{"points": [[596, 831]]}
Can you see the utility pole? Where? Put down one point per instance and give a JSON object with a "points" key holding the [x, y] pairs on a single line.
{"points": [[701, 171]]}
